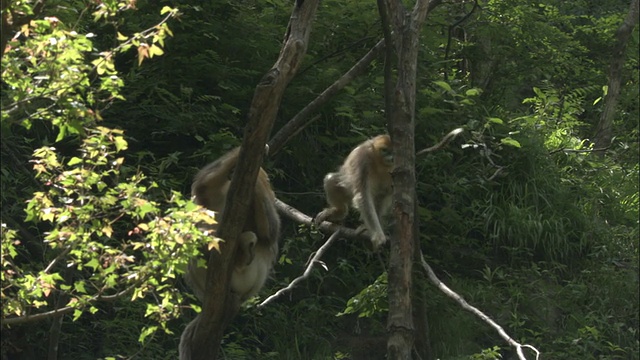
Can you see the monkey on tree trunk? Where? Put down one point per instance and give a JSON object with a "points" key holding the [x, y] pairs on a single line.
{"points": [[257, 245]]}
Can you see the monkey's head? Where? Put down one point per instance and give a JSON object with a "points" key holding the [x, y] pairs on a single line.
{"points": [[382, 147]]}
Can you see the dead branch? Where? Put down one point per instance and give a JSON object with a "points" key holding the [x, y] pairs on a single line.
{"points": [[487, 153], [301, 119], [445, 140], [315, 259], [326, 227], [465, 305]]}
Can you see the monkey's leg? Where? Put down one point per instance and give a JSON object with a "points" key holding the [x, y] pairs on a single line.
{"points": [[338, 198]]}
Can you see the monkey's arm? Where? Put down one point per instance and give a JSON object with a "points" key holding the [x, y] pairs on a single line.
{"points": [[364, 202]]}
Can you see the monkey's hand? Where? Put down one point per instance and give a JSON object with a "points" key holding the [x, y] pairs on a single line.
{"points": [[322, 215], [378, 239]]}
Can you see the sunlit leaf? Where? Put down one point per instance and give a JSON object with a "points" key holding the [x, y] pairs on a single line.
{"points": [[444, 85], [509, 141]]}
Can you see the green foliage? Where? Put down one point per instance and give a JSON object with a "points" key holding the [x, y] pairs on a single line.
{"points": [[102, 237], [370, 300], [87, 208], [487, 354]]}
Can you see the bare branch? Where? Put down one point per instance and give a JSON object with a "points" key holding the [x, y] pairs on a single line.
{"points": [[326, 227], [445, 140], [315, 259], [465, 305], [301, 119], [579, 150], [65, 310], [486, 153]]}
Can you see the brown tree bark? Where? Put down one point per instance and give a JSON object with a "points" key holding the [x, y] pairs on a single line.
{"points": [[402, 32], [604, 130], [203, 341]]}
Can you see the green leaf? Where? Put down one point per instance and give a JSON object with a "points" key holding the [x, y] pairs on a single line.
{"points": [[539, 93], [155, 50], [121, 143], [444, 85], [510, 142], [165, 10], [472, 92], [79, 287], [146, 332], [74, 161], [93, 263]]}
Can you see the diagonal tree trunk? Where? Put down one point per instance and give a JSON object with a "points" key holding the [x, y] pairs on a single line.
{"points": [[604, 131], [202, 337]]}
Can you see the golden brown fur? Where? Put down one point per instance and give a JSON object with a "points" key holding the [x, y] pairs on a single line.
{"points": [[364, 180], [258, 244]]}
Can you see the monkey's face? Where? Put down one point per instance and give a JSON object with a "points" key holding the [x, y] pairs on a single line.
{"points": [[387, 156], [382, 145]]}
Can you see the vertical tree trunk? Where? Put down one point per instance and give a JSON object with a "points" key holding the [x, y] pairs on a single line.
{"points": [[201, 339], [402, 31], [604, 131]]}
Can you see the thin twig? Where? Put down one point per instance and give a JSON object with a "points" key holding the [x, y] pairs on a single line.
{"points": [[315, 259], [579, 150], [445, 140], [65, 310]]}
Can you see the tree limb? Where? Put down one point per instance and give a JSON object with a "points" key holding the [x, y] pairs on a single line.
{"points": [[301, 119], [67, 309], [326, 226], [445, 140], [315, 259], [465, 305]]}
